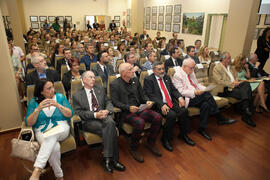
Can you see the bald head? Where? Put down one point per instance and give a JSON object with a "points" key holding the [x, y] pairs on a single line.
{"points": [[126, 71]]}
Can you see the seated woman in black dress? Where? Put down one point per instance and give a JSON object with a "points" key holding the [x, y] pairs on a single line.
{"points": [[73, 74]]}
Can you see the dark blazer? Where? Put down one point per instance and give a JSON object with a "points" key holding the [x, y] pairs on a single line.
{"points": [[99, 72], [169, 63], [195, 58], [153, 90], [32, 77], [67, 80], [81, 105], [112, 26], [120, 97], [142, 36], [254, 71], [59, 64]]}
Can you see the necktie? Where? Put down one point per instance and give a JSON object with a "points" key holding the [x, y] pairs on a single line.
{"points": [[105, 72], [176, 63], [167, 97], [191, 82], [95, 106]]}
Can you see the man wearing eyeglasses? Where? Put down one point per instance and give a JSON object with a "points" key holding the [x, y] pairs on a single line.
{"points": [[196, 96]]}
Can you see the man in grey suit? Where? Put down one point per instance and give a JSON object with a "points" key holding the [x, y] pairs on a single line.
{"points": [[103, 68], [95, 109], [151, 58]]}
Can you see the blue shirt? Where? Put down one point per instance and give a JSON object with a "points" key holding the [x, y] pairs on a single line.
{"points": [[42, 76], [87, 61]]}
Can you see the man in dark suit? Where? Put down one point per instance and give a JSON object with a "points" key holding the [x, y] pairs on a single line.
{"points": [[112, 25], [95, 110], [169, 102], [191, 54], [103, 68], [41, 71], [144, 36], [174, 60], [128, 95], [95, 25], [64, 61]]}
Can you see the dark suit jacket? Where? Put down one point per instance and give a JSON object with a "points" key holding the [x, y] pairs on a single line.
{"points": [[67, 80], [142, 36], [120, 97], [169, 63], [254, 71], [81, 105], [99, 72], [195, 58], [112, 26], [153, 90], [59, 64], [32, 77]]}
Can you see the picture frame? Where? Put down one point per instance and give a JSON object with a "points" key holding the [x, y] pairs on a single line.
{"points": [[169, 9], [116, 18], [69, 18], [176, 28], [154, 10], [42, 18], [168, 27], [148, 18], [161, 10], [177, 9], [176, 18], [128, 18], [33, 18], [51, 18], [160, 26], [117, 24], [267, 19], [154, 19], [160, 18], [35, 25], [148, 10], [60, 18], [41, 24], [258, 19], [168, 19], [147, 26], [154, 26]]}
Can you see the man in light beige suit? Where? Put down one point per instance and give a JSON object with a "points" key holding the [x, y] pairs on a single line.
{"points": [[224, 75]]}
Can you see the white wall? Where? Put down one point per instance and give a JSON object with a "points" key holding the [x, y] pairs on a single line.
{"points": [[77, 9], [190, 6]]}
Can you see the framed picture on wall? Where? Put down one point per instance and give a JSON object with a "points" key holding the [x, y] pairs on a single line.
{"points": [[117, 18], [154, 10], [41, 25], [161, 10], [177, 9], [160, 18], [169, 9], [117, 24], [176, 28], [60, 18], [69, 18], [33, 19], [267, 19], [147, 26], [258, 19], [168, 27], [35, 25], [42, 18], [168, 19], [154, 26], [160, 27], [51, 18], [148, 19], [177, 18], [148, 10], [154, 19]]}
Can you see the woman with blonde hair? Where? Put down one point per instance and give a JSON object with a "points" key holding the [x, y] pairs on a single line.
{"points": [[241, 67], [203, 55]]}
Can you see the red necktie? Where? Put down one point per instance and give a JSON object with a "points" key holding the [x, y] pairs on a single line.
{"points": [[95, 106], [191, 82], [167, 97]]}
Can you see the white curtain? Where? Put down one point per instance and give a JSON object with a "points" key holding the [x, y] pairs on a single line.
{"points": [[215, 31]]}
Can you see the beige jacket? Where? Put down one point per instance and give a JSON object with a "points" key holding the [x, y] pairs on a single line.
{"points": [[221, 77]]}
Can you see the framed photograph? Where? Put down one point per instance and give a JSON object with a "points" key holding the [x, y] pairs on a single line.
{"points": [[193, 23], [69, 18], [148, 10], [8, 19], [160, 18], [41, 24], [168, 27], [176, 18], [177, 9], [117, 24], [33, 19], [60, 18], [168, 19], [35, 25], [147, 26], [148, 18], [51, 18], [169, 9], [128, 18], [160, 27], [176, 28], [154, 26], [154, 19], [42, 18], [161, 10], [154, 10], [267, 19], [117, 18]]}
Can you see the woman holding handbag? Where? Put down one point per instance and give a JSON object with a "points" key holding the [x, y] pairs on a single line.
{"points": [[48, 112]]}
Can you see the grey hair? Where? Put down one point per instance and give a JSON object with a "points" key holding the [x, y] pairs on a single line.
{"points": [[122, 67], [156, 63], [85, 73], [34, 59], [251, 56], [187, 62], [223, 55]]}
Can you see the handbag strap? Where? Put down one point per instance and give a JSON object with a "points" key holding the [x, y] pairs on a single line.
{"points": [[26, 130]]}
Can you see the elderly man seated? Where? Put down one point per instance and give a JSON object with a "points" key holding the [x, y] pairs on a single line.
{"points": [[224, 75], [195, 96]]}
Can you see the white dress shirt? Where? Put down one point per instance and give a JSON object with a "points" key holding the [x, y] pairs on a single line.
{"points": [[89, 98]]}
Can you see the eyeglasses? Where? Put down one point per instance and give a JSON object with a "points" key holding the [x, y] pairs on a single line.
{"points": [[192, 68]]}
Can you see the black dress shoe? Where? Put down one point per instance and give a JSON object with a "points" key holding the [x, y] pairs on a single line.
{"points": [[247, 112], [107, 165], [187, 140], [118, 166], [166, 144], [248, 121], [226, 121], [204, 134]]}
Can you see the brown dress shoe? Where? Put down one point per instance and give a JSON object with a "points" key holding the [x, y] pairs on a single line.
{"points": [[136, 155], [153, 149]]}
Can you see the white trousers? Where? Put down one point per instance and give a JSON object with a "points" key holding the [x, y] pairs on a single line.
{"points": [[50, 149]]}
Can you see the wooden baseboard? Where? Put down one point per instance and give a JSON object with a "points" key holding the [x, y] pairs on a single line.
{"points": [[10, 130]]}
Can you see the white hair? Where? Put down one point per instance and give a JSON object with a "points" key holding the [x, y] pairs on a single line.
{"points": [[35, 58], [188, 61], [85, 73], [122, 67]]}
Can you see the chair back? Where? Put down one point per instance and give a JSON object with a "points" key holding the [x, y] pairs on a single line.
{"points": [[143, 75], [142, 61], [118, 62], [110, 79], [57, 59], [202, 74], [64, 69], [82, 67], [171, 72], [93, 64]]}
